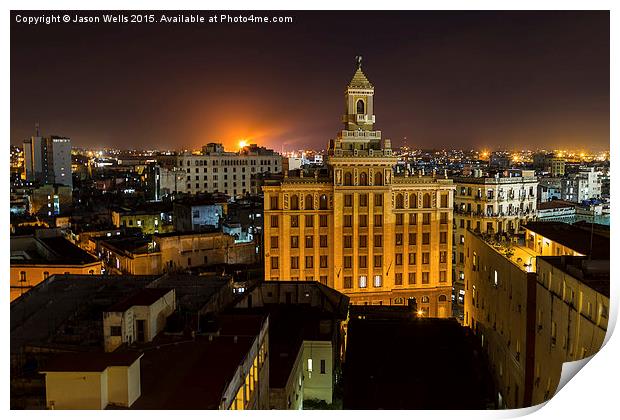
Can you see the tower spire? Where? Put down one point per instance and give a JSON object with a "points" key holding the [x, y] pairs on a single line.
{"points": [[358, 61]]}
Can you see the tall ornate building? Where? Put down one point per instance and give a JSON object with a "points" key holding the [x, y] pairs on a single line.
{"points": [[358, 228]]}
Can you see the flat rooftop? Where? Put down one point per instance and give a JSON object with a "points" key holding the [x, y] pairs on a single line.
{"points": [[179, 373], [65, 311], [30, 250], [577, 237], [593, 273]]}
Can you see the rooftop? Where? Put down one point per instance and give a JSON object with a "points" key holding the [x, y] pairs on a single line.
{"points": [[593, 273], [142, 297], [555, 204], [576, 237], [32, 250], [89, 361]]}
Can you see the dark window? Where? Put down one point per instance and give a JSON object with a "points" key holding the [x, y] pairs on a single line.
{"points": [[360, 106], [115, 331]]}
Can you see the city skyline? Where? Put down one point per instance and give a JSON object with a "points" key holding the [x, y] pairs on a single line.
{"points": [[448, 79]]}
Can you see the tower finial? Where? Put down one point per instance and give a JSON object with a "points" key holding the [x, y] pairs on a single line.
{"points": [[358, 61]]}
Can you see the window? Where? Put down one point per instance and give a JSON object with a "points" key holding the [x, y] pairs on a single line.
{"points": [[309, 220], [413, 239], [443, 276], [348, 178], [378, 259], [398, 279], [294, 221], [309, 261], [378, 241], [363, 200], [363, 179], [443, 218], [442, 298], [323, 220], [308, 203], [323, 202], [274, 263], [294, 263], [115, 331], [444, 200], [413, 201], [348, 261], [377, 281], [294, 202], [348, 282], [378, 178], [274, 242], [309, 241], [273, 203], [274, 221], [413, 219], [294, 241], [322, 366], [398, 239], [426, 238], [424, 299], [412, 258], [425, 277], [426, 219], [348, 200], [348, 241], [400, 201], [425, 257], [399, 219], [411, 279], [443, 256], [378, 200], [348, 220], [426, 201], [323, 241], [22, 276], [362, 261], [399, 259], [46, 274], [443, 237], [323, 261], [360, 106], [363, 282], [362, 241], [378, 220], [363, 220]]}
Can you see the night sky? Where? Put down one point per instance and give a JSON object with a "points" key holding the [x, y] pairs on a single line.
{"points": [[442, 79]]}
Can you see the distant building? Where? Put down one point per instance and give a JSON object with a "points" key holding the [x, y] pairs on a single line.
{"points": [[198, 214], [47, 160], [500, 160], [490, 205], [556, 211], [549, 189], [519, 299], [581, 186], [35, 258], [549, 162], [50, 199], [218, 171], [150, 219], [173, 252]]}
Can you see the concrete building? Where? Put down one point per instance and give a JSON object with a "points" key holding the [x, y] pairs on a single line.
{"points": [[581, 186], [198, 214], [356, 227], [47, 160], [137, 318], [512, 309], [50, 199], [150, 219], [173, 252], [215, 170], [86, 381], [37, 257], [549, 189], [492, 205], [551, 163], [556, 211]]}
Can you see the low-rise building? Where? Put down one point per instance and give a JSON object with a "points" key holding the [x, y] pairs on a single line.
{"points": [[173, 252], [36, 257], [556, 211], [150, 219], [198, 214]]}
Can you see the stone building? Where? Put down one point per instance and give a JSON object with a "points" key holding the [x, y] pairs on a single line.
{"points": [[356, 226]]}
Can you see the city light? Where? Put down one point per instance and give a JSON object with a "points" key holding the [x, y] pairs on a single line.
{"points": [[243, 143]]}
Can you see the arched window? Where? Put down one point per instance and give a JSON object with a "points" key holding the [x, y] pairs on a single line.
{"points": [[424, 299], [323, 202], [413, 201], [308, 203], [400, 201], [363, 178], [360, 106], [378, 178], [442, 298], [426, 201], [348, 178], [294, 202]]}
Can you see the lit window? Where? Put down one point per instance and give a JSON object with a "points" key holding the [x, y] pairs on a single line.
{"points": [[309, 365], [363, 282], [377, 281]]}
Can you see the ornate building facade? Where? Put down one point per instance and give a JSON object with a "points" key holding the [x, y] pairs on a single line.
{"points": [[358, 228]]}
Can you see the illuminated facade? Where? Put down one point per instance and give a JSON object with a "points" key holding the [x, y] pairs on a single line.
{"points": [[358, 228]]}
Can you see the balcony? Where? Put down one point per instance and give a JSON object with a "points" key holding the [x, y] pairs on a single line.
{"points": [[365, 119]]}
